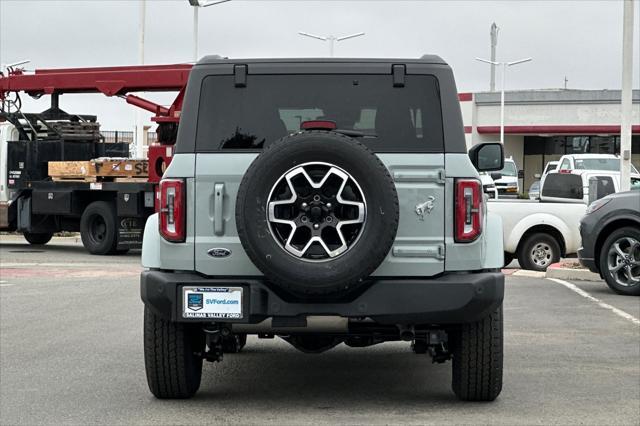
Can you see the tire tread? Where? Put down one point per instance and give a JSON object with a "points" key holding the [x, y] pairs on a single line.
{"points": [[478, 359], [170, 371]]}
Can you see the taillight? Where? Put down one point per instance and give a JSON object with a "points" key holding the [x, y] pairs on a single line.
{"points": [[172, 210], [468, 222]]}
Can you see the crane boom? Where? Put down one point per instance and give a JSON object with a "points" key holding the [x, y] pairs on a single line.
{"points": [[110, 81]]}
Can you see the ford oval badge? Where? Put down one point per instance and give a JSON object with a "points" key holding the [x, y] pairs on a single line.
{"points": [[219, 252]]}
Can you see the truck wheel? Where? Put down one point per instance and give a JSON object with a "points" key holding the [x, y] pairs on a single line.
{"points": [[98, 228], [172, 356], [620, 261], [477, 359], [38, 238], [538, 252]]}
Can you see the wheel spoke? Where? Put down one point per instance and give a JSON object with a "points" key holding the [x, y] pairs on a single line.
{"points": [[618, 250], [633, 243], [629, 272], [617, 267]]}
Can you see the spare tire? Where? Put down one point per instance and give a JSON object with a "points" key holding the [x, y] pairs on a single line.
{"points": [[317, 212]]}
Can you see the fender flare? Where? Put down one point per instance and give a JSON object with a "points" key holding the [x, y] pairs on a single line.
{"points": [[512, 240]]}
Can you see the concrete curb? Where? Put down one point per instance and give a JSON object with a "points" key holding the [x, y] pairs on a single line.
{"points": [[572, 274], [528, 273], [11, 238]]}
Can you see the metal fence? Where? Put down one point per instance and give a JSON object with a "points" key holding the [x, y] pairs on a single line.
{"points": [[114, 136]]}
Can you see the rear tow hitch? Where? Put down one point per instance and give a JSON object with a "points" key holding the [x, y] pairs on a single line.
{"points": [[435, 343], [214, 339]]}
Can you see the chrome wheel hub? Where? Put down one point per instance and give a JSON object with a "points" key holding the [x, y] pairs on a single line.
{"points": [[316, 211], [541, 255], [623, 261]]}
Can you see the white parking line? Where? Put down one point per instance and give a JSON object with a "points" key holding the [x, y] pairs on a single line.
{"points": [[5, 285], [600, 303]]}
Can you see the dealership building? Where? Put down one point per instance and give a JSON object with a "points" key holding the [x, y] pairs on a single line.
{"points": [[543, 125]]}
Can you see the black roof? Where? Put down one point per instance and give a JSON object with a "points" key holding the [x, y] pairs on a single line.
{"points": [[216, 59]]}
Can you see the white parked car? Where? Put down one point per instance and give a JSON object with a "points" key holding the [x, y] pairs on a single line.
{"points": [[488, 185], [534, 190], [508, 182]]}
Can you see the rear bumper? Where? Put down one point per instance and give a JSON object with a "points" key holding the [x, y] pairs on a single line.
{"points": [[450, 299], [587, 262], [588, 235]]}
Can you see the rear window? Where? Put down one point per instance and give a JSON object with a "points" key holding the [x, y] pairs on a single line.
{"points": [[390, 119], [608, 164], [560, 185]]}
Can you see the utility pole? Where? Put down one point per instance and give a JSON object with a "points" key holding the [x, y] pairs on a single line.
{"points": [[626, 98], [139, 153], [566, 80], [330, 38], [494, 43]]}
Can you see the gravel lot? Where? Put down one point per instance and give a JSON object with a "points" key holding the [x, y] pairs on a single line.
{"points": [[71, 353]]}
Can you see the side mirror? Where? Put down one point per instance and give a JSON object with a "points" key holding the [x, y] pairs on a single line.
{"points": [[537, 176], [487, 157], [496, 175]]}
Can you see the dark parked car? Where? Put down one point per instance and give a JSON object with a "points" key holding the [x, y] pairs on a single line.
{"points": [[610, 233]]}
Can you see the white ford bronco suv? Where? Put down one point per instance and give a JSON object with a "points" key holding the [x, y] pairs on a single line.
{"points": [[323, 201]]}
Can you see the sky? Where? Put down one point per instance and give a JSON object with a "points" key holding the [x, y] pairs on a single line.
{"points": [[581, 40]]}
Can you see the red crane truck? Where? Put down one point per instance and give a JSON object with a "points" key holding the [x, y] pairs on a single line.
{"points": [[110, 214]]}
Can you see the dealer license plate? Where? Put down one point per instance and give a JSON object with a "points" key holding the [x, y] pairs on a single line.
{"points": [[212, 302]]}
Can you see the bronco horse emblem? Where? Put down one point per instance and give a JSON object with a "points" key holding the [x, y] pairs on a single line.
{"points": [[425, 207]]}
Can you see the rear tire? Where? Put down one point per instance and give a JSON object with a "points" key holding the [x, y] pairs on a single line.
{"points": [[538, 252], [99, 228], [171, 356], [38, 238], [477, 359]]}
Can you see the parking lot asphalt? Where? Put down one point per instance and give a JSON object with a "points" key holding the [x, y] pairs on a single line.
{"points": [[71, 353]]}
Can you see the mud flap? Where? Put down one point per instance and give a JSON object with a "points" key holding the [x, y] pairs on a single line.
{"points": [[130, 230]]}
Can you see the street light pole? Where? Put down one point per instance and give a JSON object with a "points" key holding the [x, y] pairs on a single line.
{"points": [[330, 38], [626, 96], [502, 89], [195, 33], [139, 152], [198, 4], [504, 73]]}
